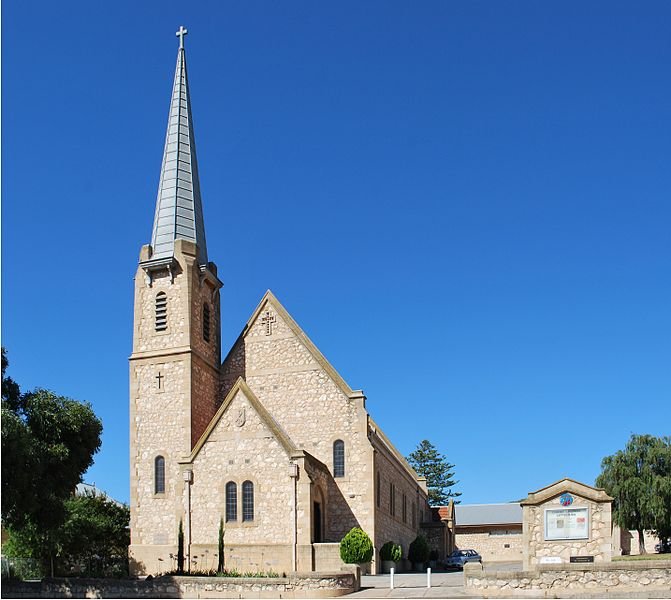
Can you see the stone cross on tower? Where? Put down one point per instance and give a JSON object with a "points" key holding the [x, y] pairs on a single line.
{"points": [[180, 34]]}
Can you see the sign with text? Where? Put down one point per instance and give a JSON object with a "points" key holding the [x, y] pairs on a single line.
{"points": [[567, 523]]}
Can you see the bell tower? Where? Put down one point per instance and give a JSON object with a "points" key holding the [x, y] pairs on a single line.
{"points": [[174, 367]]}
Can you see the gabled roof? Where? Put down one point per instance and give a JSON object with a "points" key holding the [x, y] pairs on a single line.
{"points": [[320, 359], [487, 514], [179, 211], [240, 386], [566, 485]]}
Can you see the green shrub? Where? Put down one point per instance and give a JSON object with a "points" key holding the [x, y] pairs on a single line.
{"points": [[419, 550], [180, 549], [356, 547], [391, 551]]}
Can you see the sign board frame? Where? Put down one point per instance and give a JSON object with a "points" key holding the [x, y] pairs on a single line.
{"points": [[570, 514]]}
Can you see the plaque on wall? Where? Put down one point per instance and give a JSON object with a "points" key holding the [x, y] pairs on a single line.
{"points": [[581, 559], [567, 523]]}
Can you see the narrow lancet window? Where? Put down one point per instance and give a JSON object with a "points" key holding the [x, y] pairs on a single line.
{"points": [[231, 501], [161, 323], [159, 475], [338, 458], [247, 501], [206, 322]]}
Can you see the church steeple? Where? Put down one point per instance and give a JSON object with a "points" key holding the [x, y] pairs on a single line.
{"points": [[179, 211]]}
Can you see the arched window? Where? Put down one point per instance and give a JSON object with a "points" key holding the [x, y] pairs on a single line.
{"points": [[206, 322], [159, 475], [378, 491], [338, 458], [247, 501], [231, 501], [161, 323]]}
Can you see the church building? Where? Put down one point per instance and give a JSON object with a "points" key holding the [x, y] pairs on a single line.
{"points": [[271, 441]]}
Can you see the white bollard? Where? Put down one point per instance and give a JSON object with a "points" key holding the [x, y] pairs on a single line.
{"points": [[391, 578], [428, 577]]}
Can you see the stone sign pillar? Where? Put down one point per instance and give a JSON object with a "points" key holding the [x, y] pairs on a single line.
{"points": [[566, 522]]}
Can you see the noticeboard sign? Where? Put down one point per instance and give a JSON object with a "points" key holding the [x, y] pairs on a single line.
{"points": [[566, 523]]}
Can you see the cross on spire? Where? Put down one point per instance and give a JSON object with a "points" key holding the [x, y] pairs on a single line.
{"points": [[180, 34]]}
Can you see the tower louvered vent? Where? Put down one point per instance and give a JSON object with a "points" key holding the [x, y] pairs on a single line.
{"points": [[206, 322], [161, 311]]}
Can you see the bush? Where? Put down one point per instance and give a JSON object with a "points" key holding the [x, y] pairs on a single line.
{"points": [[391, 551], [356, 547], [433, 555], [419, 550]]}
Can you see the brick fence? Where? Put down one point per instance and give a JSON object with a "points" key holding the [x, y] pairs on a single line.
{"points": [[297, 585]]}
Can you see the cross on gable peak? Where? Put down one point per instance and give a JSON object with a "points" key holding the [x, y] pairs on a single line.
{"points": [[267, 320]]}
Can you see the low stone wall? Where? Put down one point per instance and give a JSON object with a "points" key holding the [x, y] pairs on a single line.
{"points": [[553, 581], [298, 585], [327, 557]]}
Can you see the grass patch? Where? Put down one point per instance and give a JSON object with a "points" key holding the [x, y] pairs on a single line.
{"points": [[643, 557]]}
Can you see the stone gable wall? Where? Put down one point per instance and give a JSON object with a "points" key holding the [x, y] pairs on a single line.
{"points": [[312, 409], [598, 545], [238, 453]]}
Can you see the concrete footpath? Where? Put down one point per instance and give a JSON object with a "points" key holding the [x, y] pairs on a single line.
{"points": [[412, 585]]}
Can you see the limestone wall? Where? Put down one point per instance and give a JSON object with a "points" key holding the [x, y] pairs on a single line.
{"points": [[394, 525], [159, 426], [493, 544], [622, 577], [598, 543], [299, 585], [241, 448], [313, 405], [327, 557], [174, 380]]}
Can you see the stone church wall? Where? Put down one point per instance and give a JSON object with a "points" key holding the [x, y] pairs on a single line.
{"points": [[247, 452], [313, 410], [154, 518], [393, 527]]}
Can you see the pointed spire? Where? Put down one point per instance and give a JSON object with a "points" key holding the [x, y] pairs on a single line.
{"points": [[179, 211]]}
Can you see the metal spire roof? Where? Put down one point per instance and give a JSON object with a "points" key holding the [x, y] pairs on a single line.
{"points": [[179, 211]]}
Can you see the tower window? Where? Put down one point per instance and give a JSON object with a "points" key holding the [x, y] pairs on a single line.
{"points": [[405, 509], [206, 322], [161, 311], [379, 490], [231, 501], [159, 475], [247, 501], [338, 458]]}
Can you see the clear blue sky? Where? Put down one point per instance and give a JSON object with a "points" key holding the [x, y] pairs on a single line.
{"points": [[466, 205]]}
